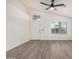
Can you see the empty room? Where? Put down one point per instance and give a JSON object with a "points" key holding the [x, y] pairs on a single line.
{"points": [[38, 29]]}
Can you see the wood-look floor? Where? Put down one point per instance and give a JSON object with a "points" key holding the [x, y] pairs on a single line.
{"points": [[42, 49]]}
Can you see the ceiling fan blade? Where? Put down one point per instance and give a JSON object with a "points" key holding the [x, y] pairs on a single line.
{"points": [[47, 8], [59, 5], [44, 4]]}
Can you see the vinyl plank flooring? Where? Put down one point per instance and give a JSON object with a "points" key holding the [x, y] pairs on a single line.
{"points": [[42, 49]]}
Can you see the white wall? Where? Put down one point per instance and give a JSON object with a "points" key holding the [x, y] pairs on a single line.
{"points": [[45, 20], [17, 26]]}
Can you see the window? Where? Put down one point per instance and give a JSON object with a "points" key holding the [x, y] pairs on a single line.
{"points": [[59, 27]]}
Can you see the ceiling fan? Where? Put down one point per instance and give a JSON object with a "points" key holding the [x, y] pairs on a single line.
{"points": [[52, 6]]}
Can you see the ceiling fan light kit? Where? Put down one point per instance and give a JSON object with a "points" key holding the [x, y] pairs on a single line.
{"points": [[52, 6]]}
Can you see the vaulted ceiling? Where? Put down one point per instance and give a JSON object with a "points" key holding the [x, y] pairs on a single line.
{"points": [[35, 5], [65, 11]]}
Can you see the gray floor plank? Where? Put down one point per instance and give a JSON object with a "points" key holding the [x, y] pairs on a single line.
{"points": [[42, 49]]}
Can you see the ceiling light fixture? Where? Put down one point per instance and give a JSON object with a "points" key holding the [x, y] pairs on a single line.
{"points": [[52, 8]]}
